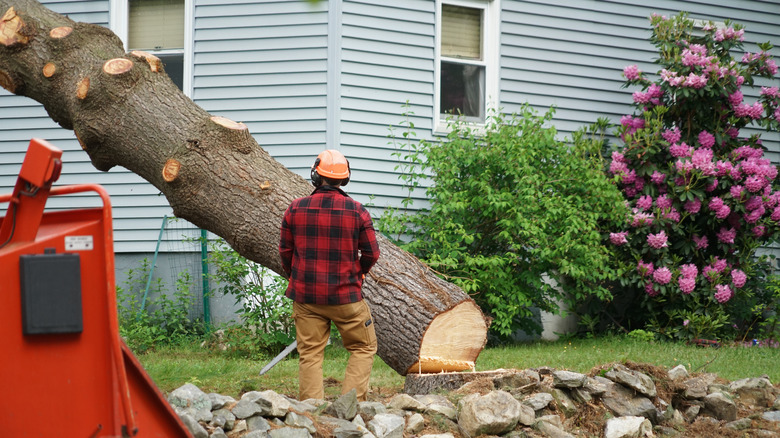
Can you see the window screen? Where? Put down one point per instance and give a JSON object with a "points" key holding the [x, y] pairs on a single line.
{"points": [[156, 25], [461, 33]]}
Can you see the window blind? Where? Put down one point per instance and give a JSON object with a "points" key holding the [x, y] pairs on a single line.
{"points": [[461, 32], [156, 24]]}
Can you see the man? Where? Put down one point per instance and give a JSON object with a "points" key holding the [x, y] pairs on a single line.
{"points": [[327, 247]]}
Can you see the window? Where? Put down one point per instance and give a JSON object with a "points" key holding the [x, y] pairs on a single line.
{"points": [[467, 66], [155, 26]]}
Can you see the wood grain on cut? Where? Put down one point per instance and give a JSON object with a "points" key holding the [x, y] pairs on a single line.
{"points": [[60, 32], [453, 340], [117, 66]]}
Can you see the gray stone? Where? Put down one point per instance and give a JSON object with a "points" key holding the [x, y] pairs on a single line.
{"points": [[678, 372], [597, 386], [721, 406], [564, 402], [225, 418], [676, 419], [696, 387], [257, 422], [345, 407], [623, 403], [239, 427], [517, 379], [438, 404], [369, 409], [289, 432], [406, 402], [771, 416], [568, 379], [665, 431], [342, 428], [494, 413], [756, 391], [415, 424], [246, 408], [191, 400], [538, 401], [193, 426], [297, 420], [740, 424], [387, 426], [692, 412], [301, 406], [555, 420], [776, 405], [256, 434], [551, 430], [635, 380], [439, 435], [219, 401], [218, 433], [273, 404], [628, 427], [580, 395]]}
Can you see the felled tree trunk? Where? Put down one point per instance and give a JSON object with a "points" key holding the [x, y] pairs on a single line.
{"points": [[126, 112]]}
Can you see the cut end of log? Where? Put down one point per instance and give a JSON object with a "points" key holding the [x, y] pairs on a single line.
{"points": [[229, 124], [49, 69], [431, 365], [82, 89], [117, 66], [171, 170], [11, 26], [60, 32], [265, 185], [453, 340], [155, 64], [7, 82]]}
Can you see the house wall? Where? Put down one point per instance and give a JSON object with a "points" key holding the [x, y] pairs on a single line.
{"points": [[337, 74]]}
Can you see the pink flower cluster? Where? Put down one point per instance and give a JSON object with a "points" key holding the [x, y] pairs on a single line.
{"points": [[653, 95], [658, 240], [687, 278], [723, 293], [729, 33], [632, 72], [618, 238]]}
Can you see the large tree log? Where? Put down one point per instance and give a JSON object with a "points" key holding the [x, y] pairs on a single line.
{"points": [[126, 112]]}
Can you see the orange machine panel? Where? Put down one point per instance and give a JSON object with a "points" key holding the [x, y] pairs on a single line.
{"points": [[64, 370]]}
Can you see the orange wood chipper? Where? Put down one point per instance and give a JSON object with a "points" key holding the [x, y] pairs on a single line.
{"points": [[64, 370]]}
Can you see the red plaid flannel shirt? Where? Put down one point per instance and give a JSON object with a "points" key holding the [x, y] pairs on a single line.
{"points": [[327, 244]]}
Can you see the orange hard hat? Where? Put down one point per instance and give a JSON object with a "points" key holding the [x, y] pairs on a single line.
{"points": [[332, 164]]}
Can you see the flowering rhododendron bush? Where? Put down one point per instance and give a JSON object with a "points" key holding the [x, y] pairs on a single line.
{"points": [[703, 194]]}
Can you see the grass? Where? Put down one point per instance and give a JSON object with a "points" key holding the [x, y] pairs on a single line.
{"points": [[171, 367]]}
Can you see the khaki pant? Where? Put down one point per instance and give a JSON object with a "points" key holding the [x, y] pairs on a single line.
{"points": [[312, 324]]}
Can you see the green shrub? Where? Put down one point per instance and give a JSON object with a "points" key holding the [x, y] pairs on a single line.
{"points": [[266, 314], [162, 320], [509, 207]]}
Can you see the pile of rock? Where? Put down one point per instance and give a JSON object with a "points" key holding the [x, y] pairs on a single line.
{"points": [[616, 401]]}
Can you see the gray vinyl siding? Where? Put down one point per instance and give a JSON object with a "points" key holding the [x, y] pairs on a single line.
{"points": [[264, 63], [387, 61], [571, 54]]}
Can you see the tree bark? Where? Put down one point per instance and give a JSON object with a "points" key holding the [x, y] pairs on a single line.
{"points": [[126, 112]]}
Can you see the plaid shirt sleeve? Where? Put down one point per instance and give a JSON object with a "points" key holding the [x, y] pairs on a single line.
{"points": [[369, 249]]}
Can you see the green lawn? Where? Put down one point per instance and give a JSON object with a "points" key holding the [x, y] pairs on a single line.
{"points": [[173, 367]]}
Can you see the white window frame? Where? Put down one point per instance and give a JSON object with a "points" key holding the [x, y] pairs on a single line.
{"points": [[491, 28], [118, 23]]}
